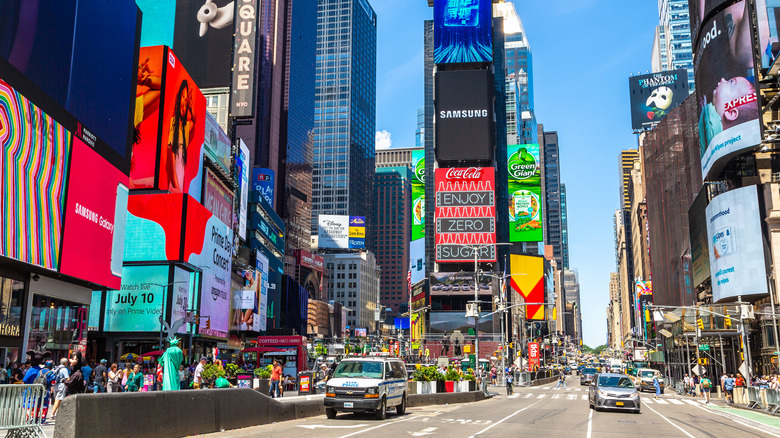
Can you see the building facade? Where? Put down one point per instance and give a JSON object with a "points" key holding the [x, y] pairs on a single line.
{"points": [[672, 48], [354, 282], [551, 175]]}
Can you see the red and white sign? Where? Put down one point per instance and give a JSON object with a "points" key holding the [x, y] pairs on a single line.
{"points": [[93, 217], [533, 355], [463, 196], [309, 260]]}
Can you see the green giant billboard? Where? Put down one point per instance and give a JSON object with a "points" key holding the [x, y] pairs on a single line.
{"points": [[525, 193]]}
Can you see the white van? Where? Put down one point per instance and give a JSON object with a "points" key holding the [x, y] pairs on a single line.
{"points": [[367, 384]]}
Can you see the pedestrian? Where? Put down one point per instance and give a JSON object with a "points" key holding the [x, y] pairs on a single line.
{"points": [[276, 379], [17, 374], [135, 380], [687, 384], [113, 378], [510, 379], [125, 375], [561, 380], [706, 384], [740, 381], [46, 378], [493, 376], [196, 376], [62, 373], [183, 377], [101, 377], [695, 387], [728, 388], [3, 375], [76, 383], [657, 384]]}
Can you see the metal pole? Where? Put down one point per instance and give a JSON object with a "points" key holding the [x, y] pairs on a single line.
{"points": [[722, 354], [774, 316], [162, 315], [688, 355], [746, 338], [476, 308]]}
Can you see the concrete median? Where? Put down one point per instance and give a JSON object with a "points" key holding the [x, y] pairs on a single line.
{"points": [[185, 413]]}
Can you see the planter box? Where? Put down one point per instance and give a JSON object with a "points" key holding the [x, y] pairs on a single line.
{"points": [[449, 386], [263, 386], [440, 388], [416, 387], [472, 385], [462, 386]]}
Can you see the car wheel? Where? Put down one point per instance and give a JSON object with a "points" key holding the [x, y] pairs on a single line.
{"points": [[381, 413], [590, 405], [330, 413], [401, 408]]}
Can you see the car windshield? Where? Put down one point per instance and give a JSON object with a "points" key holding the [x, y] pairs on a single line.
{"points": [[589, 371], [353, 368], [615, 382], [647, 373]]}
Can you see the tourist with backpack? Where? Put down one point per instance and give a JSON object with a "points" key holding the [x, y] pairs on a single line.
{"points": [[61, 374], [706, 384]]}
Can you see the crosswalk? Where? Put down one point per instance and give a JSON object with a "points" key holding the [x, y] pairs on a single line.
{"points": [[571, 394]]}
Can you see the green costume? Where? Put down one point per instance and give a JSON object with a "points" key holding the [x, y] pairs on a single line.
{"points": [[171, 361]]}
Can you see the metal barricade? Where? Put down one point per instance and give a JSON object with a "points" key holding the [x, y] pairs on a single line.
{"points": [[772, 400], [524, 378], [20, 410], [754, 397], [679, 388]]}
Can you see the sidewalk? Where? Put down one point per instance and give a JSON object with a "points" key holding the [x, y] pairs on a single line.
{"points": [[752, 417]]}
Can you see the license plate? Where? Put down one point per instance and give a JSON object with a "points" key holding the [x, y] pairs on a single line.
{"points": [[350, 405], [618, 403]]}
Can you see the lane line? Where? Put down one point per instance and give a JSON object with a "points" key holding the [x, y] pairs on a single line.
{"points": [[662, 402], [584, 397], [541, 395], [377, 427], [501, 420], [670, 422], [590, 423], [735, 420], [690, 402]]}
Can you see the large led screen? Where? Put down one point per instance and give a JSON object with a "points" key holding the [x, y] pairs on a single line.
{"points": [[204, 30], [138, 304], [464, 115], [526, 219], [768, 12], [154, 224], [34, 159], [216, 144], [462, 31], [736, 245], [342, 232], [698, 10], [218, 199], [654, 95], [697, 232], [82, 54], [465, 215], [96, 212], [447, 322], [417, 244], [527, 279], [726, 88]]}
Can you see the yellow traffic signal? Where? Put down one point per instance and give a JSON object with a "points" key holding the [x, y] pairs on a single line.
{"points": [[727, 321], [704, 361], [511, 345], [700, 323]]}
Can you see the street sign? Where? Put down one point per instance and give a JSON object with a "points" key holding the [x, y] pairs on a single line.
{"points": [[704, 347]]}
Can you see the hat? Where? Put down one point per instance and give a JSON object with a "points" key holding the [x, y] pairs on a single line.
{"points": [[202, 358], [103, 361]]}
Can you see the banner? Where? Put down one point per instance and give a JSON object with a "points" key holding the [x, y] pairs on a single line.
{"points": [[525, 193], [527, 279], [417, 245], [533, 355]]}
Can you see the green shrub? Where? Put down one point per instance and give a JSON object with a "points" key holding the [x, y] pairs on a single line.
{"points": [[452, 374], [427, 374], [231, 369], [264, 373], [210, 373]]}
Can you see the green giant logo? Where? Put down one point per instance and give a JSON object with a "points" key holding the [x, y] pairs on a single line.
{"points": [[522, 165]]}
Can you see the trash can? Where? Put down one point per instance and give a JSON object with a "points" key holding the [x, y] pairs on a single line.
{"points": [[306, 383]]}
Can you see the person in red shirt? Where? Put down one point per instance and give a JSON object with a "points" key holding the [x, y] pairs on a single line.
{"points": [[276, 378]]}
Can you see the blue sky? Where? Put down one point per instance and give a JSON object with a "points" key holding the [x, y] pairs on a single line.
{"points": [[583, 53]]}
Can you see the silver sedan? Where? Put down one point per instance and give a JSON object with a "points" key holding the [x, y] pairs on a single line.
{"points": [[613, 391]]}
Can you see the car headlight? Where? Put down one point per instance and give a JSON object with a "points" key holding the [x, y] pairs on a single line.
{"points": [[330, 389], [634, 394], [374, 390]]}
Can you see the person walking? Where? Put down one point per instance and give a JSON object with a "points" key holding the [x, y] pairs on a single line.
{"points": [[114, 378], [183, 377], [706, 384], [3, 375], [62, 373], [510, 380], [695, 386], [561, 380], [493, 376], [101, 377], [276, 379], [728, 388], [687, 384], [657, 384], [196, 376], [136, 379]]}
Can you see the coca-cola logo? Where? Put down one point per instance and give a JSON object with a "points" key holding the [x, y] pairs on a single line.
{"points": [[464, 173]]}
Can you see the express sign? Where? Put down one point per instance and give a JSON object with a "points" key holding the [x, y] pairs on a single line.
{"points": [[465, 214]]}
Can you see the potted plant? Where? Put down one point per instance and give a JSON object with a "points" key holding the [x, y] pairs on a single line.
{"points": [[262, 381], [424, 380], [469, 382], [210, 374], [231, 370], [450, 377]]}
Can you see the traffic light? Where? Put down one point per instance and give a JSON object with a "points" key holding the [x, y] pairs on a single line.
{"points": [[700, 323], [727, 321], [208, 322], [511, 345], [704, 361]]}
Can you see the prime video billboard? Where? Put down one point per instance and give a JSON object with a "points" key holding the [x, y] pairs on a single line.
{"points": [[654, 95], [736, 245], [726, 88], [525, 193], [342, 232], [462, 31]]}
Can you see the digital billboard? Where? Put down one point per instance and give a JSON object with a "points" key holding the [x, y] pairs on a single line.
{"points": [[698, 10], [218, 199], [153, 230], [462, 31], [263, 181], [527, 279], [447, 322], [726, 88], [697, 232], [465, 214], [417, 244], [137, 305], [35, 155], [94, 234], [82, 54], [204, 30], [463, 105], [768, 12], [458, 283], [168, 153], [242, 92], [216, 144], [736, 245], [654, 95], [342, 232], [242, 165], [526, 218]]}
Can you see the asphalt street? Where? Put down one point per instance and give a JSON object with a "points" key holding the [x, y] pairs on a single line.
{"points": [[539, 412]]}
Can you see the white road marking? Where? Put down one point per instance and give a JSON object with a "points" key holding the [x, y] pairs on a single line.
{"points": [[572, 396], [584, 397], [426, 431], [514, 396], [590, 423], [670, 422], [556, 396], [661, 402], [690, 402], [578, 389], [323, 426], [675, 401], [381, 425], [732, 419], [647, 400], [528, 395], [501, 420], [541, 395]]}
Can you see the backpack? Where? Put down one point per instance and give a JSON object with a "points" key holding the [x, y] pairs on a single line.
{"points": [[509, 379], [705, 383], [42, 378]]}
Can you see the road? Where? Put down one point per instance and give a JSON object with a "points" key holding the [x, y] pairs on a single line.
{"points": [[538, 412]]}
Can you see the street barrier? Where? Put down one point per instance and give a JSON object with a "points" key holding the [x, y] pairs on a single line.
{"points": [[772, 400], [20, 410], [754, 397]]}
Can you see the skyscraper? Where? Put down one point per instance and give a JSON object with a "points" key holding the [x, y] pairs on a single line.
{"points": [[552, 193], [344, 109], [672, 48], [564, 229], [626, 163], [419, 133]]}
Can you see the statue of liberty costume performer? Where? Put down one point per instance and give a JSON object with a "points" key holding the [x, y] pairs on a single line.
{"points": [[171, 361]]}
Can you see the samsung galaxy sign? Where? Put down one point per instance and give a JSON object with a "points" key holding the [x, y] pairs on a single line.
{"points": [[464, 115]]}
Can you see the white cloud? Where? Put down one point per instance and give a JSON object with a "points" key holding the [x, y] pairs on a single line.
{"points": [[382, 140]]}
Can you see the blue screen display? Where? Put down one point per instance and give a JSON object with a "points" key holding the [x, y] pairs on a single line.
{"points": [[463, 31]]}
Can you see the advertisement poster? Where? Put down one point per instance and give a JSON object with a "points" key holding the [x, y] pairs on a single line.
{"points": [[736, 245], [527, 279], [357, 232], [138, 304], [417, 244], [768, 12], [242, 163], [242, 90], [465, 214], [95, 218], [726, 88], [216, 144], [26, 146], [263, 182], [262, 273], [533, 356], [342, 232], [463, 115], [154, 225], [526, 219], [218, 199], [654, 95], [183, 293], [697, 232], [147, 117], [204, 30], [698, 9], [447, 322], [462, 31]]}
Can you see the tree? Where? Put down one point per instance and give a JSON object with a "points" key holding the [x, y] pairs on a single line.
{"points": [[596, 350]]}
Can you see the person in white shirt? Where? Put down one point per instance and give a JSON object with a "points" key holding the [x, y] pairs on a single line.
{"points": [[198, 370]]}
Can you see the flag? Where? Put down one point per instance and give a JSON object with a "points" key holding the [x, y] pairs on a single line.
{"points": [[409, 280]]}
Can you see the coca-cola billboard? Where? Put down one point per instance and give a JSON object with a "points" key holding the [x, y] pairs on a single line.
{"points": [[465, 214]]}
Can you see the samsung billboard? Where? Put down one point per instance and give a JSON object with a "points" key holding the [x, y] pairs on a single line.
{"points": [[464, 115], [736, 245]]}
